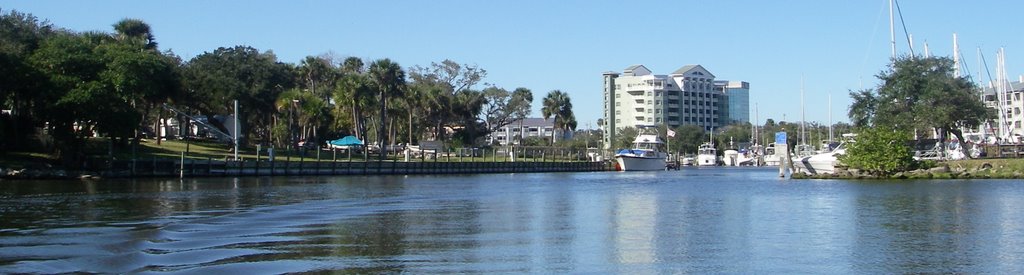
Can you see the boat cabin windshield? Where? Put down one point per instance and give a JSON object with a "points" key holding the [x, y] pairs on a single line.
{"points": [[649, 146]]}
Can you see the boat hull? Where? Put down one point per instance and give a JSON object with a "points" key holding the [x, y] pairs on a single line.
{"points": [[707, 160], [817, 164], [634, 163]]}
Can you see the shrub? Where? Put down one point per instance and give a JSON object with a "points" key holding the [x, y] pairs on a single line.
{"points": [[880, 151]]}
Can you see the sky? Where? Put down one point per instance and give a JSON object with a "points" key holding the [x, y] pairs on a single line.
{"points": [[824, 48]]}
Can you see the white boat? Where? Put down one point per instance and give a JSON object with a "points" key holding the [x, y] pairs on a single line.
{"points": [[648, 152], [770, 158], [731, 157], [751, 156], [707, 155], [824, 163], [689, 160]]}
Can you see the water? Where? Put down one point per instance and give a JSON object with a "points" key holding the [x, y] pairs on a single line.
{"points": [[696, 220]]}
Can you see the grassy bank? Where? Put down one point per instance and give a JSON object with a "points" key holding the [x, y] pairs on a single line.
{"points": [[100, 148]]}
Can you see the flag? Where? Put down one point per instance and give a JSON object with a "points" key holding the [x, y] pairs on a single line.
{"points": [[671, 133]]}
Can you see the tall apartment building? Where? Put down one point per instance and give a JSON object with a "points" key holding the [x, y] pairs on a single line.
{"points": [[638, 97], [738, 105]]}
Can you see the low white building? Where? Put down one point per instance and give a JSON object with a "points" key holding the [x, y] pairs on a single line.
{"points": [[516, 132]]}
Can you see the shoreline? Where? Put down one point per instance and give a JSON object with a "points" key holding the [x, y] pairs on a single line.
{"points": [[958, 169]]}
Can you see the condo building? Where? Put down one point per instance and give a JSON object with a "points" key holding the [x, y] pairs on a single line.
{"points": [[686, 96], [1010, 110]]}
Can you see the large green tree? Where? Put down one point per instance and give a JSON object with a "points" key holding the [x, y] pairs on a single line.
{"points": [[21, 83], [918, 94], [503, 107], [214, 79], [446, 81]]}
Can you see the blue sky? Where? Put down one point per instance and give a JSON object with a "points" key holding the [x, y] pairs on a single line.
{"points": [[835, 46]]}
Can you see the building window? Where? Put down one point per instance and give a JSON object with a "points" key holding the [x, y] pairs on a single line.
{"points": [[657, 102], [618, 120], [649, 120], [658, 120], [618, 95], [617, 112], [657, 111], [618, 104], [648, 93]]}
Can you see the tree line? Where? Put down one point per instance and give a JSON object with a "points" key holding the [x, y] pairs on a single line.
{"points": [[61, 87]]}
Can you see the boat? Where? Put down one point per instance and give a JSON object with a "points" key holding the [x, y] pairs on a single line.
{"points": [[648, 152], [731, 157], [822, 163], [689, 160], [770, 158], [751, 156], [707, 155]]}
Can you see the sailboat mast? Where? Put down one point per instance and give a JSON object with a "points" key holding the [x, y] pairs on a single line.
{"points": [[956, 57], [803, 129], [1001, 96], [830, 117], [755, 135], [892, 31]]}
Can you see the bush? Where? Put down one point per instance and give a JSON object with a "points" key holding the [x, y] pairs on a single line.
{"points": [[880, 151]]}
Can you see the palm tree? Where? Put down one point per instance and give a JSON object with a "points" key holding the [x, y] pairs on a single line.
{"points": [[353, 90], [389, 79], [135, 30], [315, 72], [352, 65], [558, 105]]}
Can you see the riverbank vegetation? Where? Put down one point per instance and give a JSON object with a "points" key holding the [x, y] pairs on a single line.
{"points": [[61, 89], [915, 96]]}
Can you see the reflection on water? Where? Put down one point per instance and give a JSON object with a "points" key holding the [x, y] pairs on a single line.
{"points": [[694, 220]]}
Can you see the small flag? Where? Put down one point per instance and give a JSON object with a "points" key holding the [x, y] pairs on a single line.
{"points": [[671, 133]]}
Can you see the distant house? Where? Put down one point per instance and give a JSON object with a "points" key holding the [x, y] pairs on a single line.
{"points": [[531, 127]]}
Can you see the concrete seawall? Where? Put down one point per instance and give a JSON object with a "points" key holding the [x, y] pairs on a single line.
{"points": [[215, 168]]}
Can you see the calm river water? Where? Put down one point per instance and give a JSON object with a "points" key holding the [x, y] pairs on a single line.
{"points": [[744, 220]]}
